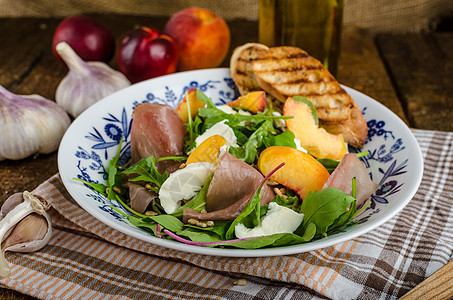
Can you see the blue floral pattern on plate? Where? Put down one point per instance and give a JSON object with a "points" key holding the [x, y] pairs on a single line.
{"points": [[119, 126], [394, 160]]}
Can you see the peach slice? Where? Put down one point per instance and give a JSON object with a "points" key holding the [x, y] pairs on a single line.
{"points": [[253, 101], [301, 172], [189, 99], [207, 151], [304, 125]]}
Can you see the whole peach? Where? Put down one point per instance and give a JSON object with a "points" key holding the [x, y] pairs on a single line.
{"points": [[203, 38]]}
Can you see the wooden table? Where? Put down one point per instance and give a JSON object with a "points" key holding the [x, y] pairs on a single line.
{"points": [[412, 74]]}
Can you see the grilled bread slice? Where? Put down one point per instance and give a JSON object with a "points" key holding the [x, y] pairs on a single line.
{"points": [[241, 66], [289, 71], [242, 71]]}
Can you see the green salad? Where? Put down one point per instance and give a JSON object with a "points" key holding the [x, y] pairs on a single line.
{"points": [[317, 214]]}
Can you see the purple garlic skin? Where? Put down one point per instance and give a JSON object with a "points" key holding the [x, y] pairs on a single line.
{"points": [[86, 82], [30, 124]]}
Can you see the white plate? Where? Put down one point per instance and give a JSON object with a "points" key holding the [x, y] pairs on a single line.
{"points": [[395, 160]]}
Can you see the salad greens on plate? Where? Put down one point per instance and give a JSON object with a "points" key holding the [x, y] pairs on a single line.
{"points": [[321, 212]]}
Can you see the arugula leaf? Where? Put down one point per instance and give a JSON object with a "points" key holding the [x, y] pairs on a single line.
{"points": [[194, 130], [114, 182], [250, 137], [253, 218], [205, 234], [149, 222], [219, 228], [363, 153], [344, 218], [214, 115], [197, 235], [322, 208], [203, 98], [285, 139], [189, 116], [263, 210], [241, 137], [139, 222], [97, 187], [127, 207], [311, 105], [179, 158], [167, 221], [292, 202], [249, 151], [350, 213], [250, 214], [329, 164], [274, 240], [146, 169]]}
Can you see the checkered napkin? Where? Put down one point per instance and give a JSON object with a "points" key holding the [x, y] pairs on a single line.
{"points": [[87, 259]]}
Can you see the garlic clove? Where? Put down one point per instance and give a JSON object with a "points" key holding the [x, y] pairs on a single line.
{"points": [[9, 205], [30, 124], [31, 228], [86, 82], [28, 234]]}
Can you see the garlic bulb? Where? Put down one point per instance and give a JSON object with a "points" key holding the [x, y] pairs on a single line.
{"points": [[86, 82], [30, 124], [24, 227]]}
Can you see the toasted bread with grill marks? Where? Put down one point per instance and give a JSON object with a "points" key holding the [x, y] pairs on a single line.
{"points": [[289, 71], [241, 66], [242, 72]]}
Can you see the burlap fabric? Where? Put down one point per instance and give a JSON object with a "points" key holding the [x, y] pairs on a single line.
{"points": [[375, 15]]}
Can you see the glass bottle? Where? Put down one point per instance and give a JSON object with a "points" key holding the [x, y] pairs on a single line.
{"points": [[312, 25]]}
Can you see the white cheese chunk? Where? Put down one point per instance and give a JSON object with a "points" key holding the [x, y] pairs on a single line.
{"points": [[229, 110], [221, 129], [184, 184], [278, 219]]}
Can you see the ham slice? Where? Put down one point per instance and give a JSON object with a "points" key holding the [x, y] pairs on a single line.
{"points": [[227, 214], [156, 129], [232, 185], [350, 167], [140, 197]]}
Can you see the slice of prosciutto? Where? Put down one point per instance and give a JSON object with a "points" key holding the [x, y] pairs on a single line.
{"points": [[227, 214], [351, 166], [231, 187], [140, 197], [157, 129]]}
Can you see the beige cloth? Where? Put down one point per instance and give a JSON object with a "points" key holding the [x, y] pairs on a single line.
{"points": [[86, 259], [375, 15]]}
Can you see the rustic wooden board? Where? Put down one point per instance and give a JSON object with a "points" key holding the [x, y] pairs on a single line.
{"points": [[361, 68], [22, 44], [421, 68]]}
